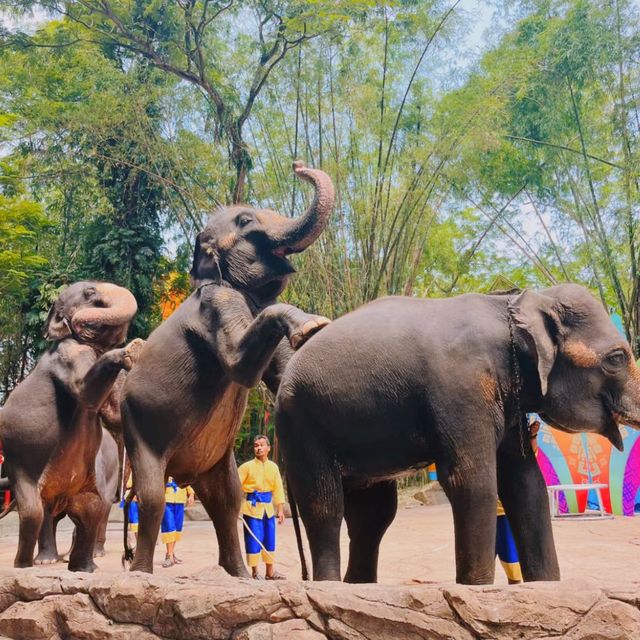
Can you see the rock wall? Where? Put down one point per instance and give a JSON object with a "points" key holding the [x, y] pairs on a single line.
{"points": [[210, 605]]}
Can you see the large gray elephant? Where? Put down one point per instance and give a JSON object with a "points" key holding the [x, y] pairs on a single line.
{"points": [[50, 426], [106, 473], [401, 383], [184, 401]]}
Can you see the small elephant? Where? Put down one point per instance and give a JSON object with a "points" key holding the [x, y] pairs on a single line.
{"points": [[401, 383], [184, 402], [50, 426], [106, 471]]}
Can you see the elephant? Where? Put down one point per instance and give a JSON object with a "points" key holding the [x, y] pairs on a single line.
{"points": [[183, 403], [106, 473], [403, 382], [50, 425]]}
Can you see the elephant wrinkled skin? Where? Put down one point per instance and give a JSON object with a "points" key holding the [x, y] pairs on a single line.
{"points": [[184, 402], [50, 424], [401, 383], [106, 472]]}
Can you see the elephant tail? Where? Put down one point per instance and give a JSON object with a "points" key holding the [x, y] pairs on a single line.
{"points": [[127, 556], [296, 526], [8, 509]]}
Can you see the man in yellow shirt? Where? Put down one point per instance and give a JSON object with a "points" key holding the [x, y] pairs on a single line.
{"points": [[175, 499], [262, 486]]}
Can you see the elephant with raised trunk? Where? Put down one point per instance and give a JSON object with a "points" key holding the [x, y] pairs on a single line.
{"points": [[401, 383], [184, 402], [50, 425]]}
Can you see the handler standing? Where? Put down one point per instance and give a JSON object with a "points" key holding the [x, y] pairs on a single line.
{"points": [[175, 499], [262, 486]]}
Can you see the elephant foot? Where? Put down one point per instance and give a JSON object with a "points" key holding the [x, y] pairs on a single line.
{"points": [[99, 552], [86, 567], [132, 352], [309, 328], [237, 571], [47, 558], [22, 564], [141, 566]]}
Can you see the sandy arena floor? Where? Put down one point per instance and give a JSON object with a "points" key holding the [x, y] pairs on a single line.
{"points": [[418, 547]]}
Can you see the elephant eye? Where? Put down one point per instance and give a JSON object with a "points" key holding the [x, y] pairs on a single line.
{"points": [[243, 220], [615, 360], [89, 292]]}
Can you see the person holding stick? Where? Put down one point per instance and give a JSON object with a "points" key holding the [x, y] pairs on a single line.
{"points": [[262, 486]]}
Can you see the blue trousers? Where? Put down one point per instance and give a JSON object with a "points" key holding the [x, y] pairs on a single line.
{"points": [[265, 530], [172, 522], [506, 549]]}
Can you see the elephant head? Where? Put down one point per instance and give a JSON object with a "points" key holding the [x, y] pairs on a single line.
{"points": [[247, 248], [587, 375], [97, 313]]}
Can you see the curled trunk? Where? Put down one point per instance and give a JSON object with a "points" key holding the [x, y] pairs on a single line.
{"points": [[293, 236], [116, 307]]}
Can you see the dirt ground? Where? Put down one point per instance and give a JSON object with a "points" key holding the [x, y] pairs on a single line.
{"points": [[418, 547]]}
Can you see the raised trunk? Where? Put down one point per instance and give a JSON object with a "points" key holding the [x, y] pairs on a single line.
{"points": [[119, 307], [293, 236]]}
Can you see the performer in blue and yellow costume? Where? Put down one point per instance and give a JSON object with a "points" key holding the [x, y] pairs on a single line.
{"points": [[262, 486], [175, 499], [505, 544]]}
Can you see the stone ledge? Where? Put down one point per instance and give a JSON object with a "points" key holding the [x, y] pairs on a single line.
{"points": [[38, 604]]}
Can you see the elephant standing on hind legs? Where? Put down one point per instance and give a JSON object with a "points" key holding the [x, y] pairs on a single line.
{"points": [[106, 472], [405, 382], [184, 402], [50, 426]]}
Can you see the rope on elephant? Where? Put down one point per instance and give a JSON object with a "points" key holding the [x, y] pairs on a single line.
{"points": [[123, 470], [253, 535]]}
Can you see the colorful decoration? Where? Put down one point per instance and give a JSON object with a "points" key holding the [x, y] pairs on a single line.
{"points": [[586, 458]]}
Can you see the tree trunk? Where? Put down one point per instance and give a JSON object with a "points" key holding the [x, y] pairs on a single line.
{"points": [[241, 160]]}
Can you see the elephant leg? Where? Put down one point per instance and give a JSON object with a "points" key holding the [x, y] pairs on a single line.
{"points": [[472, 492], [85, 510], [47, 549], [523, 493], [321, 503], [368, 512], [220, 492], [148, 477], [101, 538], [315, 482], [31, 514]]}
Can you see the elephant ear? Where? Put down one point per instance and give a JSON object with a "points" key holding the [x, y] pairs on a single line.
{"points": [[57, 326], [206, 264], [537, 321]]}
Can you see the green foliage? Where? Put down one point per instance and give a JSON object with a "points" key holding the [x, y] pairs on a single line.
{"points": [[127, 122], [21, 224]]}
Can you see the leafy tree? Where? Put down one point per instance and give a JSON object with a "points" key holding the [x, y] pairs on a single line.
{"points": [[22, 227], [557, 132], [184, 39]]}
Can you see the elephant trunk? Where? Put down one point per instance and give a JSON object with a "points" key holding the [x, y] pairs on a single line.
{"points": [[630, 401], [117, 306], [293, 236]]}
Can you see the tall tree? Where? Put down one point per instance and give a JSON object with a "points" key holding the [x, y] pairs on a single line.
{"points": [[183, 38], [560, 127]]}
